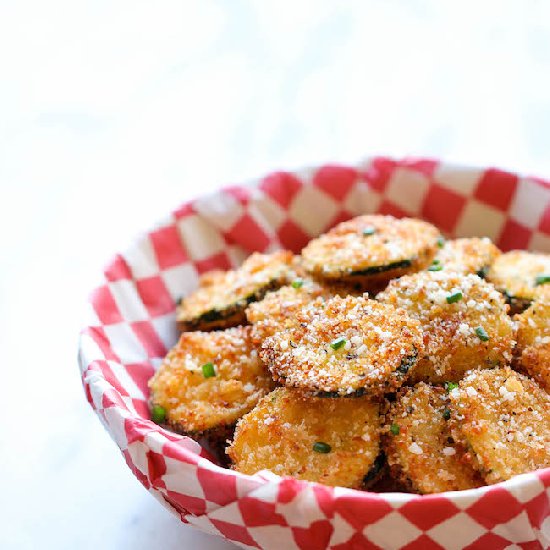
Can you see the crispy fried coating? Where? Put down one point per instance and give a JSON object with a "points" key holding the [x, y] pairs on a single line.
{"points": [[465, 256], [328, 440], [209, 380], [533, 340], [464, 320], [344, 346], [419, 447], [503, 418], [371, 249], [517, 274], [222, 297]]}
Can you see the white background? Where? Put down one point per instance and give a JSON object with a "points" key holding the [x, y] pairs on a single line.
{"points": [[113, 112]]}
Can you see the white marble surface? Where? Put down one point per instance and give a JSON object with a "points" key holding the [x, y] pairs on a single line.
{"points": [[111, 113]]}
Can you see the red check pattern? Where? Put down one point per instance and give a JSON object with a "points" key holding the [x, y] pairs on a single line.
{"points": [[132, 325]]}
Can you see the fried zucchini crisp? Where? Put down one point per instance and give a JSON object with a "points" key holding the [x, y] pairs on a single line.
{"points": [[421, 452], [208, 381], [466, 256], [331, 441], [503, 418], [344, 346], [371, 249], [520, 275], [533, 336], [222, 297], [464, 320]]}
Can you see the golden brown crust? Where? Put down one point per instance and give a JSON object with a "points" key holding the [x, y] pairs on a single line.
{"points": [[222, 297], [195, 403], [421, 452], [515, 275], [452, 338], [281, 432], [533, 337], [344, 346], [504, 418], [390, 248], [469, 255]]}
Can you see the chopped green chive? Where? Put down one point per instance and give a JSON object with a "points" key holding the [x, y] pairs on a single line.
{"points": [[446, 414], [441, 242], [338, 343], [482, 334], [368, 231], [320, 447], [542, 280], [158, 414], [297, 283], [395, 429], [208, 370], [450, 386], [454, 297], [435, 267]]}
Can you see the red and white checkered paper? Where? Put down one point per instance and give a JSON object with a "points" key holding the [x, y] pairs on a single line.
{"points": [[132, 326]]}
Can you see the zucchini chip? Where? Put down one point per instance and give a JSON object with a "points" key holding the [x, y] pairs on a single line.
{"points": [[533, 336], [421, 451], [208, 381], [466, 256], [331, 441], [520, 276], [503, 418], [371, 249], [464, 320], [222, 297], [344, 347]]}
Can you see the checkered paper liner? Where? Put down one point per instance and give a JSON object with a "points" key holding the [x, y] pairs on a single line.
{"points": [[131, 327]]}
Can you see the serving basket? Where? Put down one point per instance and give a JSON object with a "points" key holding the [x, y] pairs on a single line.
{"points": [[131, 326]]}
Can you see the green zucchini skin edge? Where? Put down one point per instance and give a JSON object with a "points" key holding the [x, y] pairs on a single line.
{"points": [[376, 470], [374, 270]]}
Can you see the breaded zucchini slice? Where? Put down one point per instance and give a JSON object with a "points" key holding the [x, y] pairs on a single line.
{"points": [[503, 418], [464, 320], [533, 340], [277, 310], [344, 346], [465, 256], [208, 381], [520, 275], [371, 249], [222, 297], [331, 441], [419, 447]]}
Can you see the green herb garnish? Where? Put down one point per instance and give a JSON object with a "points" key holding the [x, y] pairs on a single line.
{"points": [[542, 280], [454, 297], [158, 414], [208, 370], [450, 386], [440, 242], [338, 343], [395, 429], [435, 267], [482, 334], [297, 283], [320, 447], [368, 231]]}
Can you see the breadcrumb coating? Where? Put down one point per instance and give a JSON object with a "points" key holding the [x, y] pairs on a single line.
{"points": [[503, 418], [198, 397], [371, 248], [465, 256], [419, 447], [464, 321], [328, 440]]}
